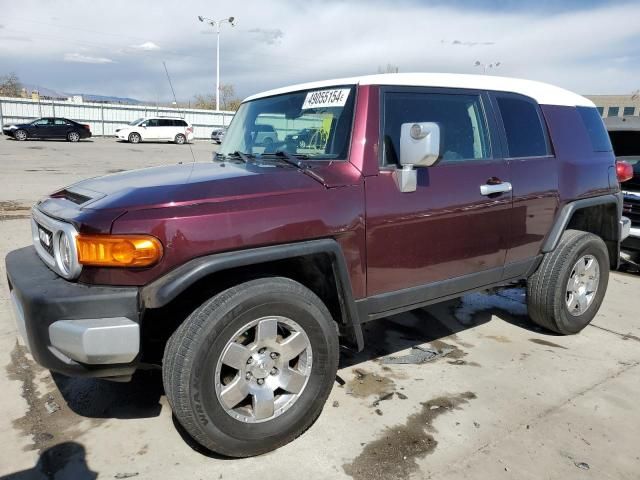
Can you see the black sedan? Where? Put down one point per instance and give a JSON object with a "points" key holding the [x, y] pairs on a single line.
{"points": [[48, 127]]}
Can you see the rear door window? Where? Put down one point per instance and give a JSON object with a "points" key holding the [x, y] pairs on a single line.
{"points": [[463, 129], [523, 126]]}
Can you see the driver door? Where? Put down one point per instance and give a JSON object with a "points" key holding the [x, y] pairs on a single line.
{"points": [[151, 129], [449, 234]]}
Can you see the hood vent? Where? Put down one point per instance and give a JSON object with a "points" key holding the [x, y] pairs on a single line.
{"points": [[74, 197]]}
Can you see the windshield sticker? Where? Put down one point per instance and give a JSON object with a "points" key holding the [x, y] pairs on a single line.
{"points": [[326, 98]]}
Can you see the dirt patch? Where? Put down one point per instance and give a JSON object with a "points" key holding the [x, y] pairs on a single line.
{"points": [[48, 420], [463, 362], [394, 454], [456, 354], [12, 210], [546, 343], [499, 338], [365, 384]]}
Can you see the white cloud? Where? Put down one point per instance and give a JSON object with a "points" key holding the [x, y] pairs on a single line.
{"points": [[146, 46], [80, 58], [269, 36]]}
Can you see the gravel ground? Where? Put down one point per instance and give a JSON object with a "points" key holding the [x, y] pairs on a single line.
{"points": [[507, 401]]}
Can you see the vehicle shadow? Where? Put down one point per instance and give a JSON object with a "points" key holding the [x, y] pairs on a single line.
{"points": [[440, 323], [64, 461], [96, 398]]}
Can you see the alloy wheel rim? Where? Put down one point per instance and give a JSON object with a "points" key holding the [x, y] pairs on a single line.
{"points": [[263, 369], [582, 285], [74, 136], [21, 135]]}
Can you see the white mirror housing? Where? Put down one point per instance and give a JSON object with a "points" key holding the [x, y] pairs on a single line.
{"points": [[419, 144]]}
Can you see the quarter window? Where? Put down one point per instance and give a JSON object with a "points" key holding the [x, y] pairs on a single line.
{"points": [[523, 127], [595, 129], [629, 111], [463, 129], [613, 111]]}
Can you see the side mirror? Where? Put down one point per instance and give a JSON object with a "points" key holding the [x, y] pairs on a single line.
{"points": [[419, 147], [419, 144]]}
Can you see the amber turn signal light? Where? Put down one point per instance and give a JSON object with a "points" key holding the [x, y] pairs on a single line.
{"points": [[118, 250]]}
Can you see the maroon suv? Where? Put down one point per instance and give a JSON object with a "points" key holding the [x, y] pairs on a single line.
{"points": [[242, 276]]}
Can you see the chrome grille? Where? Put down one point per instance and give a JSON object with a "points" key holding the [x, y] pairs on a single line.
{"points": [[46, 233]]}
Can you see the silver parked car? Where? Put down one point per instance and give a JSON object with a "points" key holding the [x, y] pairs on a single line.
{"points": [[217, 135]]}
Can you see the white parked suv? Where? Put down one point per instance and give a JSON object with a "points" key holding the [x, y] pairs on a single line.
{"points": [[157, 129]]}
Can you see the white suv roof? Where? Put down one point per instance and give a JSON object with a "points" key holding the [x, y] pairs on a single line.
{"points": [[543, 93]]}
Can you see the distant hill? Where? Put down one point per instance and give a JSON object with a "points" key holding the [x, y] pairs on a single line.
{"points": [[87, 97]]}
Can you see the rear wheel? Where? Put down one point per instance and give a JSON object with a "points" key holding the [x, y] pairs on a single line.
{"points": [[134, 137], [180, 139], [251, 368], [566, 292], [73, 137], [20, 135]]}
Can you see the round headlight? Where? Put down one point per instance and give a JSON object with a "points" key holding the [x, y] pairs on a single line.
{"points": [[64, 247]]}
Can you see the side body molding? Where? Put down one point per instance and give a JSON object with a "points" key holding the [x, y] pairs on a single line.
{"points": [[163, 290], [562, 220]]}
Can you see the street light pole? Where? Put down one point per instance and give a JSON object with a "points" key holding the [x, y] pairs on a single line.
{"points": [[216, 24]]}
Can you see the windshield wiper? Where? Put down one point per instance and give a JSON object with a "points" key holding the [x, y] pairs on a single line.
{"points": [[296, 161], [245, 157]]}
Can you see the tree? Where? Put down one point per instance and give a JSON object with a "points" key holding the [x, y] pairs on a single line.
{"points": [[228, 99], [389, 68], [205, 101], [10, 85]]}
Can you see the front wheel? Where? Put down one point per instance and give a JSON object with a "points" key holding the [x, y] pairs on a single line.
{"points": [[567, 290], [20, 135], [252, 367], [134, 137]]}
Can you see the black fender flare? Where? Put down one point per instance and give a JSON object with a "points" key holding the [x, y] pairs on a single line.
{"points": [[164, 289], [563, 218]]}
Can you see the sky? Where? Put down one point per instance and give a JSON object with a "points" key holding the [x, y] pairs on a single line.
{"points": [[117, 47]]}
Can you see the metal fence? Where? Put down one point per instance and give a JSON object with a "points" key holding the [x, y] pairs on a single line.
{"points": [[104, 118]]}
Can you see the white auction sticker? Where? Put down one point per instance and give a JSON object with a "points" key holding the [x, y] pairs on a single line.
{"points": [[326, 98]]}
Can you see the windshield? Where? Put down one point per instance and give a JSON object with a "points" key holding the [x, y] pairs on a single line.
{"points": [[314, 123], [135, 122]]}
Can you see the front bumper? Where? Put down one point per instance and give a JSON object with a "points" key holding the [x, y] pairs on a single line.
{"points": [[72, 328]]}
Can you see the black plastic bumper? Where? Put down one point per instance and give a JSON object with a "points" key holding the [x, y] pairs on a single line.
{"points": [[45, 298], [631, 243]]}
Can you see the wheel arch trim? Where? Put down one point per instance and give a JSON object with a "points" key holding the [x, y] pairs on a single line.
{"points": [[166, 288], [564, 217]]}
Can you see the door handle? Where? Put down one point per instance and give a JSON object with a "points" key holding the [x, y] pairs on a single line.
{"points": [[501, 187]]}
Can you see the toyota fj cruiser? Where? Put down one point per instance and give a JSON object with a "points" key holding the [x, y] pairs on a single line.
{"points": [[242, 276]]}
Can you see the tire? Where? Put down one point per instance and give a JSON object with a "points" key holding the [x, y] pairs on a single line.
{"points": [[20, 135], [134, 137], [196, 377], [73, 137], [554, 303], [180, 139]]}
